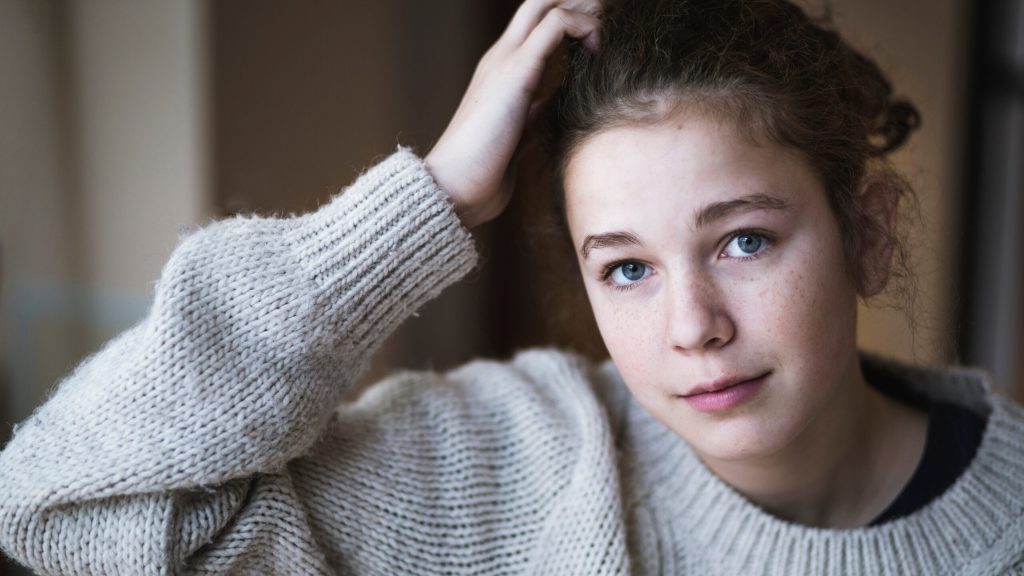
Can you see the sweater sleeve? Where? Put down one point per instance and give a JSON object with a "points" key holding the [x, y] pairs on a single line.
{"points": [[257, 328]]}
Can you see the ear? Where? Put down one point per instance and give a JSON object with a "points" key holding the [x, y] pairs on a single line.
{"points": [[879, 202]]}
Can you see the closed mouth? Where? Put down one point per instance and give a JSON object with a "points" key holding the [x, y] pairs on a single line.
{"points": [[722, 384]]}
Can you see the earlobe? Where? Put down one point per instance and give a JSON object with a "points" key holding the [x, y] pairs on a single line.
{"points": [[879, 206]]}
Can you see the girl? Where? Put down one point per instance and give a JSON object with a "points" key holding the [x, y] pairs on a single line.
{"points": [[721, 169]]}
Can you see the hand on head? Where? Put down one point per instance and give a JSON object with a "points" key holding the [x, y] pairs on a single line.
{"points": [[471, 160]]}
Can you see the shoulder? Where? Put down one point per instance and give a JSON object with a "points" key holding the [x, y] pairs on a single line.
{"points": [[989, 497], [558, 387], [967, 387], [964, 386], [521, 443], [534, 416]]}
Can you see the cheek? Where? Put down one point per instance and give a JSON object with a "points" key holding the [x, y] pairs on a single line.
{"points": [[808, 312], [628, 328]]}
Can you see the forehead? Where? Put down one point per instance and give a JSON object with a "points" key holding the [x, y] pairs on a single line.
{"points": [[629, 175]]}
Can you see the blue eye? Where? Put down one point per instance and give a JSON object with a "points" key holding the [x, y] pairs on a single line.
{"points": [[633, 271], [745, 245], [626, 274]]}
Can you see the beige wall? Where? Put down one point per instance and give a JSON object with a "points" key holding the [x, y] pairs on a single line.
{"points": [[102, 162], [35, 232], [139, 106], [922, 45]]}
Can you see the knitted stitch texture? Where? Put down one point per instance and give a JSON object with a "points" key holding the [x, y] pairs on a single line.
{"points": [[211, 437]]}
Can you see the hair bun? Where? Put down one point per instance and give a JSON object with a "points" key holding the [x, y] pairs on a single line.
{"points": [[901, 119]]}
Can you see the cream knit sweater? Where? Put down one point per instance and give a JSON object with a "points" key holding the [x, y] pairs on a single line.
{"points": [[209, 438]]}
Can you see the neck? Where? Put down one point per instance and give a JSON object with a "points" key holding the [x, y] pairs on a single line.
{"points": [[844, 469]]}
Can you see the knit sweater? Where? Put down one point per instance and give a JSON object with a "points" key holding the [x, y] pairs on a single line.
{"points": [[211, 437]]}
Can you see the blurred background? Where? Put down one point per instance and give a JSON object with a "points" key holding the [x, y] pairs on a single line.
{"points": [[125, 122]]}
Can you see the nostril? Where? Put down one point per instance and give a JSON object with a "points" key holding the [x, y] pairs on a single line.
{"points": [[715, 342], [716, 331], [697, 317]]}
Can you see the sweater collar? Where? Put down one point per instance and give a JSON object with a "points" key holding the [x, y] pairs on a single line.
{"points": [[980, 516]]}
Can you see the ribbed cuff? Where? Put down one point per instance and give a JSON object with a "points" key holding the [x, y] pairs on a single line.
{"points": [[387, 244]]}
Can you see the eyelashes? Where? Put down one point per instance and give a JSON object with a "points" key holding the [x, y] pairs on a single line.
{"points": [[619, 269], [627, 274], [743, 239]]}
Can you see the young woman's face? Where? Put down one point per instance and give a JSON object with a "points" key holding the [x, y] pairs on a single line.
{"points": [[710, 260]]}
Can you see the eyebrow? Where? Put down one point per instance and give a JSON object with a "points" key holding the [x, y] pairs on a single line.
{"points": [[707, 215], [749, 203], [608, 240]]}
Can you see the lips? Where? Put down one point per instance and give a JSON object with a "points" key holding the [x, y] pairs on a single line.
{"points": [[724, 394], [722, 384]]}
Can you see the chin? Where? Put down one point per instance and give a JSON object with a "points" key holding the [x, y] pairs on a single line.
{"points": [[737, 439]]}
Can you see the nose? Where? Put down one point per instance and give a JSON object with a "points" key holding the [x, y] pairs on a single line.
{"points": [[697, 319]]}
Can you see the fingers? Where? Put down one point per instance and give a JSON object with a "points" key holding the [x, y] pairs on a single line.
{"points": [[556, 25], [532, 12], [471, 159]]}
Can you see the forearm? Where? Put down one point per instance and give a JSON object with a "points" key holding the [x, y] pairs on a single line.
{"points": [[257, 328]]}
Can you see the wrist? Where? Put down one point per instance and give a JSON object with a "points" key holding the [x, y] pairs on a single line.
{"points": [[463, 208]]}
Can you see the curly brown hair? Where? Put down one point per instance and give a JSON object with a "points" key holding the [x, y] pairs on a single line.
{"points": [[769, 68]]}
